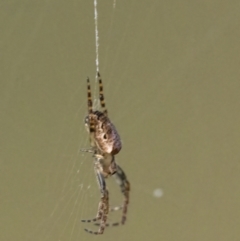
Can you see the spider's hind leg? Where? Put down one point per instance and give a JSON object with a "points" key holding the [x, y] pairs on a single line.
{"points": [[90, 108], [101, 95]]}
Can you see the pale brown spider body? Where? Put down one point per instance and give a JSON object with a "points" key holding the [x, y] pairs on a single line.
{"points": [[105, 144], [105, 136]]}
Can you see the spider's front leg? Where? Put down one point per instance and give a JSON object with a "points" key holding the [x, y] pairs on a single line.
{"points": [[103, 207], [124, 184]]}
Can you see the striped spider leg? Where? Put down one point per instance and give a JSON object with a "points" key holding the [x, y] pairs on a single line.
{"points": [[124, 184], [103, 207]]}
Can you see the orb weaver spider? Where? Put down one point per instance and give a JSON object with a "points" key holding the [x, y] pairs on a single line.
{"points": [[105, 144]]}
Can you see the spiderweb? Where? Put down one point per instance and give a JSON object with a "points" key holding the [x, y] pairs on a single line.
{"points": [[47, 148], [151, 57], [74, 191]]}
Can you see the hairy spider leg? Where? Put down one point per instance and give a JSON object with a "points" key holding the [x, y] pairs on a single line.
{"points": [[90, 109], [124, 184], [125, 189], [101, 95], [103, 207]]}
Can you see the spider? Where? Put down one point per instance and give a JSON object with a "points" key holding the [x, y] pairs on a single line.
{"points": [[105, 144]]}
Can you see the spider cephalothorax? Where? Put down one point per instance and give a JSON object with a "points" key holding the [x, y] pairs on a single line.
{"points": [[105, 144]]}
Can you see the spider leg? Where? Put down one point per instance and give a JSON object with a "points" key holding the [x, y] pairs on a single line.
{"points": [[92, 150], [103, 207], [101, 96], [124, 184], [125, 188], [89, 150], [90, 109]]}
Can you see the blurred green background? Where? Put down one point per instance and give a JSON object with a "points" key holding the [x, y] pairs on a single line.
{"points": [[171, 80]]}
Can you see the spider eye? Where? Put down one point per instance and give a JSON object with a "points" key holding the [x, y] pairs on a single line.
{"points": [[105, 136]]}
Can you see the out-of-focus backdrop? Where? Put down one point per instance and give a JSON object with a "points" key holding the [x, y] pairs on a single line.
{"points": [[172, 85]]}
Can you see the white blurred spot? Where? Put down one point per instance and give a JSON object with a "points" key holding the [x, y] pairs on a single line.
{"points": [[158, 192]]}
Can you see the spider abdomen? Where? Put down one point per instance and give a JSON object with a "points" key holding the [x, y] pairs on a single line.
{"points": [[106, 136]]}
